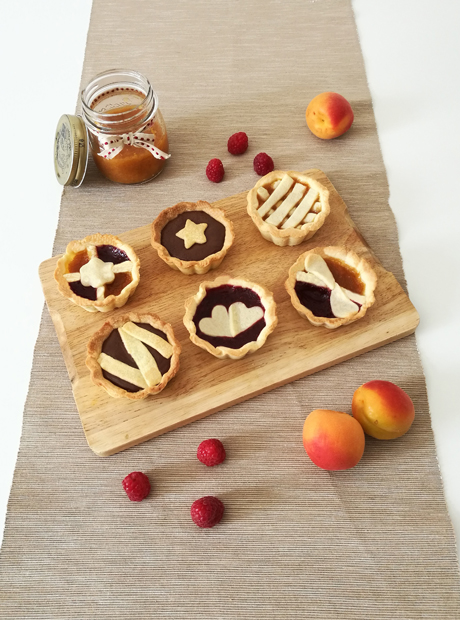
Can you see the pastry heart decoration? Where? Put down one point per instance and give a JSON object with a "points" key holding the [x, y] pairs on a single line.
{"points": [[343, 301], [229, 323]]}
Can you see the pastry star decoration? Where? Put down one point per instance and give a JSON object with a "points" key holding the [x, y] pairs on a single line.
{"points": [[343, 302], [97, 273], [192, 233]]}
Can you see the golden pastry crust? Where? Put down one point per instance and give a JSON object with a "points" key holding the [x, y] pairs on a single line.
{"points": [[94, 349], [271, 320], [109, 303], [367, 275], [191, 267], [303, 231]]}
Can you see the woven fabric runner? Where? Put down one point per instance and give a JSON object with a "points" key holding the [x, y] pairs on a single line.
{"points": [[370, 543]]}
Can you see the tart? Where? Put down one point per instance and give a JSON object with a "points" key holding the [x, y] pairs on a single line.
{"points": [[98, 273], [288, 207], [331, 286], [192, 237], [230, 317], [133, 355]]}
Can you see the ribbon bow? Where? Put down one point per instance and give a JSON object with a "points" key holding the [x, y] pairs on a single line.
{"points": [[112, 145]]}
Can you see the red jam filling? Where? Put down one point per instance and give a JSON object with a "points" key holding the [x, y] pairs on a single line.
{"points": [[226, 295]]}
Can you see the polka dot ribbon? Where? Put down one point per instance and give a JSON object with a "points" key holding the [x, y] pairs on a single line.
{"points": [[112, 145]]}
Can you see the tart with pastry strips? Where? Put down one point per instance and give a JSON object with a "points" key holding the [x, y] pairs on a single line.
{"points": [[230, 317], [98, 273], [133, 356], [331, 286], [288, 207]]}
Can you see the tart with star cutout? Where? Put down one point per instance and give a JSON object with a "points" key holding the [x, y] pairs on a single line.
{"points": [[230, 317], [192, 237], [133, 356], [331, 286], [288, 207], [98, 273]]}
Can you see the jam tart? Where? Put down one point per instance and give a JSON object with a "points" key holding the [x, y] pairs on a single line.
{"points": [[230, 317], [98, 273], [331, 286], [133, 356], [192, 237], [288, 207]]}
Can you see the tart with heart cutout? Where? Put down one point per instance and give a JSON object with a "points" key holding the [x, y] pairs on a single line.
{"points": [[192, 237], [98, 273], [331, 286], [230, 317], [133, 356], [288, 207]]}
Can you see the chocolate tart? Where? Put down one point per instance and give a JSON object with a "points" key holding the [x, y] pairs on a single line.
{"points": [[192, 237], [288, 207], [230, 317], [331, 286], [98, 273], [133, 356]]}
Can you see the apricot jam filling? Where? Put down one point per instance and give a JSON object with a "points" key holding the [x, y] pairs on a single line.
{"points": [[80, 259], [345, 275]]}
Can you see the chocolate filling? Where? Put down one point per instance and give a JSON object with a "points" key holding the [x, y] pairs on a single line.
{"points": [[226, 295], [215, 235], [107, 254], [114, 347]]}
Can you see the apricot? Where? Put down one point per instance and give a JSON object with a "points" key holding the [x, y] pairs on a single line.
{"points": [[383, 409], [329, 115], [333, 440]]}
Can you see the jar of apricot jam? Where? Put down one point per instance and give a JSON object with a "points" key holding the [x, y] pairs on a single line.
{"points": [[127, 133]]}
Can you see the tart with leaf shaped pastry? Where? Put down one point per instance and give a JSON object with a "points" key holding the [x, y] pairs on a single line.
{"points": [[331, 286], [133, 356], [192, 237], [98, 273], [230, 317], [288, 207]]}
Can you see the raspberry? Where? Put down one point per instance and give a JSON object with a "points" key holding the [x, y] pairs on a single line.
{"points": [[207, 511], [137, 486], [263, 164], [215, 170], [211, 452], [238, 143]]}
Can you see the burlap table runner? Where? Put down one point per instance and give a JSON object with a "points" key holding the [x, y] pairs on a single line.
{"points": [[296, 541]]}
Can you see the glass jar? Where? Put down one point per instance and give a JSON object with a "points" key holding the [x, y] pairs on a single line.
{"points": [[127, 133]]}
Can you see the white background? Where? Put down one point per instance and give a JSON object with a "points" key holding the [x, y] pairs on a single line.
{"points": [[412, 55]]}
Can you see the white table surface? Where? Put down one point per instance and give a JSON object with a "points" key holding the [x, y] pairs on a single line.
{"points": [[412, 55]]}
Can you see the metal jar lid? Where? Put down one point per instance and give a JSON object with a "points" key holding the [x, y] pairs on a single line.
{"points": [[70, 150]]}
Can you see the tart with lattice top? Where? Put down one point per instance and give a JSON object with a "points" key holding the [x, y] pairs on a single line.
{"points": [[230, 317], [133, 356], [288, 207], [98, 273], [331, 286], [192, 237]]}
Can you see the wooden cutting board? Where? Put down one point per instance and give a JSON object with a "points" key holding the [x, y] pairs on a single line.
{"points": [[205, 384]]}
